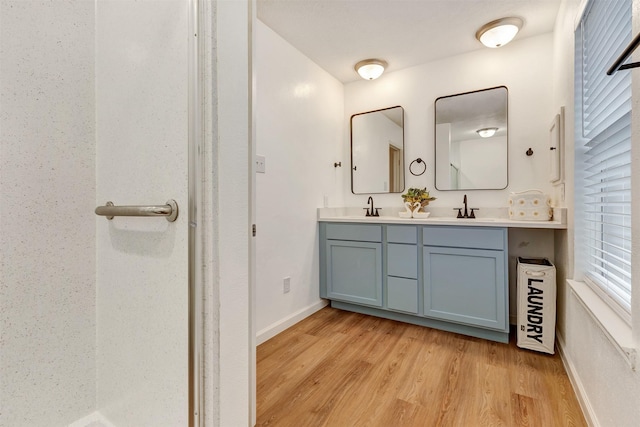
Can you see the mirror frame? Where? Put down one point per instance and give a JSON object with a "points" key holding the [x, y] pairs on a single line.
{"points": [[435, 149], [404, 178]]}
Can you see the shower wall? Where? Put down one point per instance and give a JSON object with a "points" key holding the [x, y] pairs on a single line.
{"points": [[47, 225], [141, 159], [93, 313]]}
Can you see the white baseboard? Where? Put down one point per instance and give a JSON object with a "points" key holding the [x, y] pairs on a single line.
{"points": [[275, 328], [583, 399]]}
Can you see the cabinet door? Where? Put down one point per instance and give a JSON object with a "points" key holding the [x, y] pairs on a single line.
{"points": [[466, 286], [354, 272]]}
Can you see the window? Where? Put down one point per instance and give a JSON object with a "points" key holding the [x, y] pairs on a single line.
{"points": [[603, 152]]}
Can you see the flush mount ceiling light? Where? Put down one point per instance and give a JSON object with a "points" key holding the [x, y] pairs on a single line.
{"points": [[499, 32], [487, 132], [370, 69]]}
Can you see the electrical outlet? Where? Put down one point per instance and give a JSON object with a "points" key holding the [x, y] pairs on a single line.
{"points": [[261, 164], [286, 285]]}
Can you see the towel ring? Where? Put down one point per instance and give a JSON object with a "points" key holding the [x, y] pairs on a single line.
{"points": [[418, 160]]}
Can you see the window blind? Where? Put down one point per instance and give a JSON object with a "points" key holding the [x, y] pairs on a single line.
{"points": [[605, 162]]}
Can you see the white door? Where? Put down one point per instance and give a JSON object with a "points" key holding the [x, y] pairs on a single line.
{"points": [[141, 74]]}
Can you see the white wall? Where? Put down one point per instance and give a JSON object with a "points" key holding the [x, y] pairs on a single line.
{"points": [[231, 186], [610, 390], [563, 95], [300, 132], [47, 224], [523, 66]]}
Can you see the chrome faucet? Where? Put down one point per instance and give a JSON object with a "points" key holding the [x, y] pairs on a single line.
{"points": [[373, 211], [466, 214]]}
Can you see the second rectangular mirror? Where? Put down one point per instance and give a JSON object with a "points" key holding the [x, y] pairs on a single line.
{"points": [[471, 140]]}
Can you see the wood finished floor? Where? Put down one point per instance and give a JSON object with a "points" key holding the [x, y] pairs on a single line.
{"points": [[342, 369]]}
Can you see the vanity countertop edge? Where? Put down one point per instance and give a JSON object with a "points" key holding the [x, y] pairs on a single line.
{"points": [[387, 217]]}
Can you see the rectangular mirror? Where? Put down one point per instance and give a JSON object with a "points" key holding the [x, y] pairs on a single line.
{"points": [[377, 151], [471, 140]]}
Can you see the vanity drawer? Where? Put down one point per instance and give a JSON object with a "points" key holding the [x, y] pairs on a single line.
{"points": [[354, 232], [465, 237], [402, 234], [402, 261]]}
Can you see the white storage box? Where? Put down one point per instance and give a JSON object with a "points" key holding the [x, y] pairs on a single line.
{"points": [[530, 205], [536, 304]]}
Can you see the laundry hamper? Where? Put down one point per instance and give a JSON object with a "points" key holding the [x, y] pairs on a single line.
{"points": [[536, 304]]}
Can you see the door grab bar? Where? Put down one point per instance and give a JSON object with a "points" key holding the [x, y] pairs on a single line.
{"points": [[169, 211]]}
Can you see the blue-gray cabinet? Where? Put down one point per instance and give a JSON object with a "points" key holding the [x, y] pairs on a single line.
{"points": [[446, 277], [465, 275], [465, 285], [353, 264]]}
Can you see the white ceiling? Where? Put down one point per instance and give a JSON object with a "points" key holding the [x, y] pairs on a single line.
{"points": [[336, 34]]}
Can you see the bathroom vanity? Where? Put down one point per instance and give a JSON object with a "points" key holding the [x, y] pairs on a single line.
{"points": [[438, 272], [445, 272]]}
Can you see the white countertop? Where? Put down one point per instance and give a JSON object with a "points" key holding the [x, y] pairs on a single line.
{"points": [[439, 217]]}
